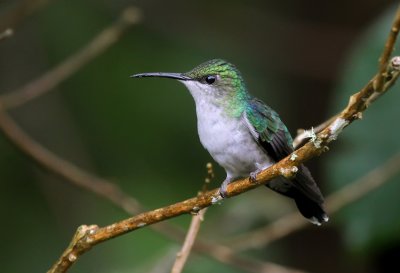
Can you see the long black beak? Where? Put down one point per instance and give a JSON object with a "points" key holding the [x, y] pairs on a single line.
{"points": [[176, 76]]}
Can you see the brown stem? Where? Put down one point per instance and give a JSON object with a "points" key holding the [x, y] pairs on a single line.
{"points": [[387, 52], [183, 254]]}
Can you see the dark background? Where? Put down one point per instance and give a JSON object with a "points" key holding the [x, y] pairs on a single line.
{"points": [[304, 58]]}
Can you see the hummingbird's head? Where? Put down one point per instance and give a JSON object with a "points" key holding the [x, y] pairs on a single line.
{"points": [[215, 79]]}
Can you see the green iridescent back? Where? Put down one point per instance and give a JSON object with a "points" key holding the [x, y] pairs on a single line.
{"points": [[266, 121]]}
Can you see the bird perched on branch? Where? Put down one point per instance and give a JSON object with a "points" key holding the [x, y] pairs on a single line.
{"points": [[243, 134]]}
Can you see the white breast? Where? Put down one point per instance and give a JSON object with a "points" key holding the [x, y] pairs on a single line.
{"points": [[229, 141]]}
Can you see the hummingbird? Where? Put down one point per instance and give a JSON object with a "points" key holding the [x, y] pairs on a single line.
{"points": [[243, 134]]}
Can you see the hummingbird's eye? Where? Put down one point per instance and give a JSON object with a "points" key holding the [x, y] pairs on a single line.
{"points": [[210, 79]]}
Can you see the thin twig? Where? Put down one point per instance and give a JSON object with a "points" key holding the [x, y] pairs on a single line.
{"points": [[334, 202], [88, 236], [183, 254], [55, 76], [194, 228], [387, 52]]}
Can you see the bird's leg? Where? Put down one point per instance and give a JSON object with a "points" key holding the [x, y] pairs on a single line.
{"points": [[253, 175], [223, 189]]}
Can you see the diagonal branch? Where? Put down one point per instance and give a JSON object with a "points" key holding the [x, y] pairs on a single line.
{"points": [[94, 48]]}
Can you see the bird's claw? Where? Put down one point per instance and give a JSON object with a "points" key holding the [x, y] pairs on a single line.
{"points": [[253, 176]]}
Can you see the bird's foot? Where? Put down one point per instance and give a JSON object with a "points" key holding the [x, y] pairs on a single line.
{"points": [[253, 176]]}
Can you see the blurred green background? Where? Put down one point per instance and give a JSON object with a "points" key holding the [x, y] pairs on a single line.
{"points": [[304, 58]]}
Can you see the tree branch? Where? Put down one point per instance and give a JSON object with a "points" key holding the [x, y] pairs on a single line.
{"points": [[55, 76]]}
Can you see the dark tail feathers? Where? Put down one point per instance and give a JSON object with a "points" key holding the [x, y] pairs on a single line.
{"points": [[305, 193], [311, 210]]}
